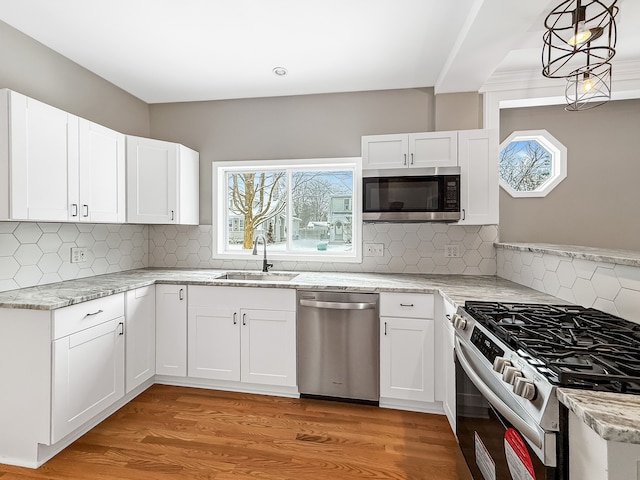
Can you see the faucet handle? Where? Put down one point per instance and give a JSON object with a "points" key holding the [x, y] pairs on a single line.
{"points": [[266, 266]]}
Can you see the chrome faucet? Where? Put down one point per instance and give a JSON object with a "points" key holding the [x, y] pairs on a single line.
{"points": [[265, 265]]}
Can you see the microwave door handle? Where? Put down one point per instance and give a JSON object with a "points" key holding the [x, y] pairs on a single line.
{"points": [[521, 425]]}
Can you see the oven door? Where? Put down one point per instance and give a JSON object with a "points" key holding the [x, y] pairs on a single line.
{"points": [[493, 434]]}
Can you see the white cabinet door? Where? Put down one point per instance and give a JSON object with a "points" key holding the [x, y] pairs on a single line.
{"points": [[151, 181], [448, 368], [214, 342], [140, 336], [41, 164], [102, 174], [407, 359], [88, 375], [479, 188], [433, 149], [171, 330], [385, 151], [162, 182], [268, 347]]}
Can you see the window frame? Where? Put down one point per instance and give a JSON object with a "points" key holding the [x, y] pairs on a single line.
{"points": [[558, 162], [220, 206]]}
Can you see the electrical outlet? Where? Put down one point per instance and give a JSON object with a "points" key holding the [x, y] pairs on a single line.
{"points": [[451, 251], [374, 249], [78, 254]]}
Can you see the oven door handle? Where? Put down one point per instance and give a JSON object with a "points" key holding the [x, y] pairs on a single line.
{"points": [[525, 429]]}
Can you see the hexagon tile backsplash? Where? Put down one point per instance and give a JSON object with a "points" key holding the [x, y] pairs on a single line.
{"points": [[40, 253], [408, 248], [611, 287]]}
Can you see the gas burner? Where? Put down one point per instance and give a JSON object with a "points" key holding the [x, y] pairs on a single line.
{"points": [[512, 320]]}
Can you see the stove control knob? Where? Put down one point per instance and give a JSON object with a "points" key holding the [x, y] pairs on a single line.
{"points": [[459, 322], [525, 388], [500, 363], [509, 374]]}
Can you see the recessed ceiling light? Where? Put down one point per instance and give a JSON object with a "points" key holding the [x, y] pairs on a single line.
{"points": [[279, 71]]}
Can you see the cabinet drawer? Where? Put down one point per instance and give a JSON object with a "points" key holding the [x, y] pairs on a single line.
{"points": [[72, 319], [408, 305]]}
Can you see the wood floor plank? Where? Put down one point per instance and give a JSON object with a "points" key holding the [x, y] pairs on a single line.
{"points": [[170, 433]]}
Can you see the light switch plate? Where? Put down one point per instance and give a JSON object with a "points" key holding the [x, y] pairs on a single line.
{"points": [[78, 254]]}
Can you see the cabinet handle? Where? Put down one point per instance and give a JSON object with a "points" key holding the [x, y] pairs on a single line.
{"points": [[171, 215], [412, 159], [94, 313], [181, 294], [244, 316], [85, 210], [406, 304], [121, 327], [74, 209], [448, 317], [405, 158], [464, 214], [385, 328], [235, 318]]}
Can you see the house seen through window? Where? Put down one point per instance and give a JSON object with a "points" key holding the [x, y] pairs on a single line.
{"points": [[302, 210]]}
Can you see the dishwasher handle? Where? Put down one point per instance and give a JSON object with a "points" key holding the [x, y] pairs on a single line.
{"points": [[338, 305]]}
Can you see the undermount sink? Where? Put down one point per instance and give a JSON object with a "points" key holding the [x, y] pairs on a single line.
{"points": [[259, 276]]}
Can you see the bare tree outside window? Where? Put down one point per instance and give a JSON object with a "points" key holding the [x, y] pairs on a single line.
{"points": [[256, 197], [531, 163], [525, 165]]}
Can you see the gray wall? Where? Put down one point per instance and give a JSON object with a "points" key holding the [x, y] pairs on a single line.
{"points": [[310, 126], [598, 204], [29, 67], [458, 111]]}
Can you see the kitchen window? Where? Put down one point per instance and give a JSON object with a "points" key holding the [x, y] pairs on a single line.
{"points": [[531, 163], [308, 210]]}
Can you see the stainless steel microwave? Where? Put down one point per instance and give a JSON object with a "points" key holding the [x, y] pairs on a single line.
{"points": [[411, 195]]}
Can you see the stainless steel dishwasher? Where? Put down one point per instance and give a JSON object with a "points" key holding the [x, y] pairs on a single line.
{"points": [[339, 345]]}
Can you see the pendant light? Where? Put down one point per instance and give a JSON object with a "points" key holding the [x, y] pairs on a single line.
{"points": [[578, 45]]}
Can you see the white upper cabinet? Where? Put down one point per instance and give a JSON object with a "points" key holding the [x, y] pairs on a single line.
{"points": [[38, 159], [428, 149], [162, 179], [102, 174], [479, 187], [56, 166]]}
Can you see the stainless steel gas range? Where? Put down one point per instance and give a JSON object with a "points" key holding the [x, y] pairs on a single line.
{"points": [[510, 357]]}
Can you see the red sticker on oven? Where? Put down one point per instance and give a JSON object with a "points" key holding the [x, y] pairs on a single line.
{"points": [[518, 458]]}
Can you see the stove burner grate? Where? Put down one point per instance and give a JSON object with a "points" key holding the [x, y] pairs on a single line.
{"points": [[582, 347]]}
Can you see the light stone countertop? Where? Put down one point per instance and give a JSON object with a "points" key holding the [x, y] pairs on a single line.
{"points": [[616, 257], [456, 288], [611, 416]]}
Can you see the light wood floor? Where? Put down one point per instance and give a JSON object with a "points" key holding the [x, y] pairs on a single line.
{"points": [[186, 433]]}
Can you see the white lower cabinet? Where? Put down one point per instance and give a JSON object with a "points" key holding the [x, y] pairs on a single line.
{"points": [[140, 311], [242, 334], [88, 362], [407, 350], [171, 330], [447, 369]]}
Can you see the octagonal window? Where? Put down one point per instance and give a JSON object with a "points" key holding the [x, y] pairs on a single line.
{"points": [[532, 163]]}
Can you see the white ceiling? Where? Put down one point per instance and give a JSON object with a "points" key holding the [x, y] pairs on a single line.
{"points": [[188, 50]]}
